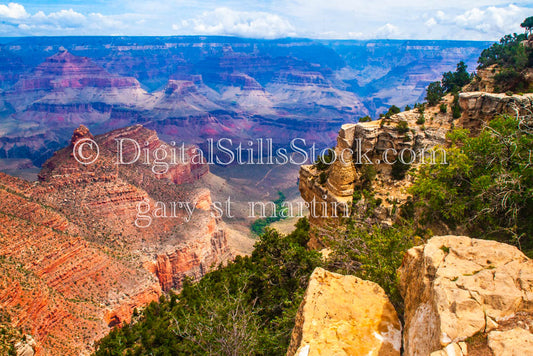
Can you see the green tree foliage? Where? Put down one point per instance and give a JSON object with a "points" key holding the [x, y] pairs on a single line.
{"points": [[456, 108], [512, 58], [527, 24], [245, 308], [374, 254], [365, 119], [324, 161], [452, 82], [402, 127], [487, 185], [400, 169], [279, 213], [392, 111], [507, 53], [434, 93]]}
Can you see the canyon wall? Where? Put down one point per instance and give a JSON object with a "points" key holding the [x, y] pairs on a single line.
{"points": [[74, 263]]}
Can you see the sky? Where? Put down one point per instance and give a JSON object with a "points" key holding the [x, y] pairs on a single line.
{"points": [[319, 19]]}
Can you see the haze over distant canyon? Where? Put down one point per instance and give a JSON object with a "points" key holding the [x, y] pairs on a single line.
{"points": [[193, 88]]}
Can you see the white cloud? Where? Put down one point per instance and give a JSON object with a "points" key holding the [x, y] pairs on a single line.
{"points": [[493, 19], [388, 31], [361, 19], [484, 23], [63, 19], [225, 21], [13, 11]]}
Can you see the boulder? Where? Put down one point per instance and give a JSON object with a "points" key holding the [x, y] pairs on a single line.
{"points": [[455, 287], [514, 342], [345, 315]]}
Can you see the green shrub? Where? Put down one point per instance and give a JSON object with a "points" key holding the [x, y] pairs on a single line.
{"points": [[402, 127], [392, 111], [373, 254], [487, 185], [443, 108], [322, 178], [323, 162], [399, 170]]}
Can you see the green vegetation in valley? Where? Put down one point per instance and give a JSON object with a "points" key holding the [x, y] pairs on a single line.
{"points": [[279, 213]]}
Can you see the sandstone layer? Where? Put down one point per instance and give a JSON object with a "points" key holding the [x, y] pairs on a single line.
{"points": [[345, 315], [456, 288]]}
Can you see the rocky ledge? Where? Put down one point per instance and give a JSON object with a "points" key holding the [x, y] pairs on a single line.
{"points": [[457, 289], [462, 296]]}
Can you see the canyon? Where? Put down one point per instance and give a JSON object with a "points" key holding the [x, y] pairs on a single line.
{"points": [[194, 88]]}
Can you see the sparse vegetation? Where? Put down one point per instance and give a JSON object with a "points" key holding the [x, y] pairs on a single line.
{"points": [[402, 127]]}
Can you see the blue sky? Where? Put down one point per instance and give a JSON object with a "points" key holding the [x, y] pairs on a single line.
{"points": [[342, 19]]}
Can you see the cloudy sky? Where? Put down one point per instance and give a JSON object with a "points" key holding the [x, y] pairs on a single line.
{"points": [[342, 19]]}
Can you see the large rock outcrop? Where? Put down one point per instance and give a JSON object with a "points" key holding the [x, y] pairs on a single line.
{"points": [[456, 288], [481, 107], [375, 144], [345, 315]]}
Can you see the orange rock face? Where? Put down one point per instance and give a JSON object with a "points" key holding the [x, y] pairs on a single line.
{"points": [[72, 261]]}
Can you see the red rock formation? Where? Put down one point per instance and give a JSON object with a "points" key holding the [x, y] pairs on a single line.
{"points": [[73, 262]]}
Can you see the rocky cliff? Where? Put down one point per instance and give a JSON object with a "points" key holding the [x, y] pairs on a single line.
{"points": [[73, 261], [374, 142], [462, 296], [468, 295]]}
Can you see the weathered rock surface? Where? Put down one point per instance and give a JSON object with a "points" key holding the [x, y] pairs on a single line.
{"points": [[345, 315], [456, 287], [514, 342], [480, 107]]}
